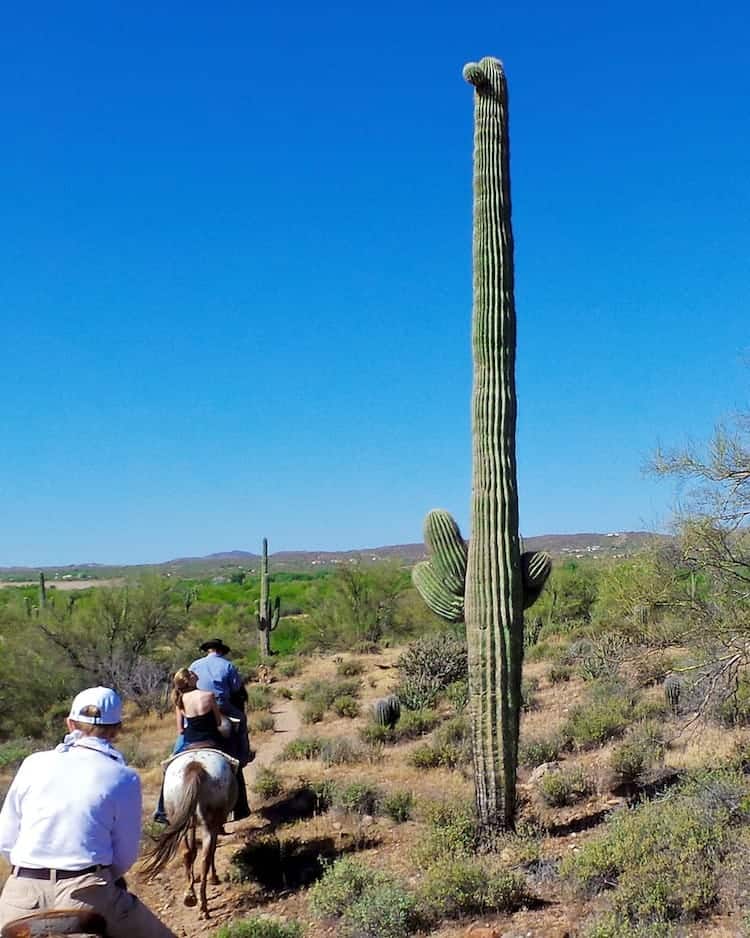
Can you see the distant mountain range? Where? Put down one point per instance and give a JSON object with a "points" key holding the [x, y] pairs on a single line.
{"points": [[560, 546]]}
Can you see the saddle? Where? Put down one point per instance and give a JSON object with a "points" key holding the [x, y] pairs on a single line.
{"points": [[192, 747]]}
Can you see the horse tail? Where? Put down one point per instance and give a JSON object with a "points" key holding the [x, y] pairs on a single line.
{"points": [[167, 843]]}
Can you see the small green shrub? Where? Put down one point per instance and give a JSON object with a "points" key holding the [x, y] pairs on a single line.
{"points": [[427, 667], [399, 806], [326, 691], [289, 667], [345, 706], [457, 695], [533, 752], [14, 751], [639, 752], [604, 716], [262, 723], [314, 712], [286, 692], [304, 747], [342, 883], [451, 832], [563, 787], [374, 734], [340, 750], [614, 926], [559, 673], [258, 698], [259, 928], [358, 798], [652, 669], [416, 723], [267, 783], [464, 886], [350, 668], [733, 708], [529, 688], [424, 757]]}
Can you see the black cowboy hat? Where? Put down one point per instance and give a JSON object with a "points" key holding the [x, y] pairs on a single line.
{"points": [[216, 644]]}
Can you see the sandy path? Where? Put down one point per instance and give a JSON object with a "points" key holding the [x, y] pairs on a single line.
{"points": [[164, 893]]}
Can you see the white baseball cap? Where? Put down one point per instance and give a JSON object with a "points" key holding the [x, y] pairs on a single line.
{"points": [[104, 699]]}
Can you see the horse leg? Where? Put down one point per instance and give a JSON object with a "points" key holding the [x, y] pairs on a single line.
{"points": [[210, 839], [189, 898], [215, 881]]}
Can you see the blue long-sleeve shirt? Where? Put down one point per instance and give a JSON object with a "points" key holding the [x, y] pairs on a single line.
{"points": [[217, 674]]}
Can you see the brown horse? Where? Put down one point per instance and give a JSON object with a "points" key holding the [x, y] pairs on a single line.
{"points": [[200, 788]]}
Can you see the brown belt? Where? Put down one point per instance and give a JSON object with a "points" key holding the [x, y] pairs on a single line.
{"points": [[29, 872]]}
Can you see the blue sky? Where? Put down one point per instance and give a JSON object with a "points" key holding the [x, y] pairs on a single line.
{"points": [[235, 283]]}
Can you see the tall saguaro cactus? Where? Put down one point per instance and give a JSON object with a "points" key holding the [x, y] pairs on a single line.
{"points": [[267, 612], [42, 591], [494, 600]]}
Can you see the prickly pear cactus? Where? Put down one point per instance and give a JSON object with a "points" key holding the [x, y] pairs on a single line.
{"points": [[495, 596], [267, 612]]}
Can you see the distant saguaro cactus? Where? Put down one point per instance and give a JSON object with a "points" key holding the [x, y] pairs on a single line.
{"points": [[42, 591], [673, 692], [496, 593], [387, 711], [267, 612]]}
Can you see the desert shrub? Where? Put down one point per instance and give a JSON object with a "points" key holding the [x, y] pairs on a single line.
{"points": [[451, 831], [639, 752], [559, 673], [374, 734], [563, 787], [416, 723], [457, 695], [262, 723], [614, 926], [286, 692], [369, 903], [267, 783], [399, 806], [358, 798], [652, 669], [14, 751], [427, 667], [535, 751], [605, 715], [350, 668], [539, 652], [463, 886], [304, 747], [258, 698], [424, 757], [732, 708], [135, 753], [651, 708], [289, 667], [345, 706], [259, 928], [324, 791], [529, 687], [313, 712], [664, 857], [341, 750]]}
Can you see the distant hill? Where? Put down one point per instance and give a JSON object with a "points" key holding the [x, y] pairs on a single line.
{"points": [[224, 563]]}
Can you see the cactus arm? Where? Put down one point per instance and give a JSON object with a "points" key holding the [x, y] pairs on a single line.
{"points": [[276, 614], [435, 593], [441, 580], [536, 566]]}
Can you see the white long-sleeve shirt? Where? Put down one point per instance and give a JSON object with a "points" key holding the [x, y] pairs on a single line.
{"points": [[71, 808]]}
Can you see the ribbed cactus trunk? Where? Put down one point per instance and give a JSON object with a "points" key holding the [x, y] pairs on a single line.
{"points": [[267, 612], [494, 597]]}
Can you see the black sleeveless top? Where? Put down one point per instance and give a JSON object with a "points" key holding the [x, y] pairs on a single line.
{"points": [[203, 729]]}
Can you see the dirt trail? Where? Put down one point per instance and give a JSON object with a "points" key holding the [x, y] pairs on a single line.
{"points": [[164, 894]]}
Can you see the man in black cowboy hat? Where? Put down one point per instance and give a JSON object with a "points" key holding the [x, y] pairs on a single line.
{"points": [[220, 676]]}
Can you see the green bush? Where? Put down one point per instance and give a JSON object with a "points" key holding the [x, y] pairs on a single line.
{"points": [[14, 751], [369, 903], [289, 667], [358, 798], [375, 734], [399, 806], [559, 673], [340, 750], [664, 857], [345, 706], [262, 723], [457, 695], [529, 687], [652, 669], [267, 783], [604, 716], [304, 747], [614, 926], [314, 712], [427, 667], [424, 757], [733, 708], [464, 886], [451, 831], [258, 698], [286, 692], [350, 668], [416, 723], [563, 787], [259, 928], [535, 751], [639, 752]]}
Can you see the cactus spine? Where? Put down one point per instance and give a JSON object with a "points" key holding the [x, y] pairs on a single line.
{"points": [[267, 612], [494, 599]]}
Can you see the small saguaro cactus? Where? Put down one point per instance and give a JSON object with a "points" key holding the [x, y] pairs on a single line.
{"points": [[673, 692], [266, 611], [42, 591], [387, 711]]}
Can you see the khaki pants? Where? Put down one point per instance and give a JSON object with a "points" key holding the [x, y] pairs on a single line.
{"points": [[125, 915]]}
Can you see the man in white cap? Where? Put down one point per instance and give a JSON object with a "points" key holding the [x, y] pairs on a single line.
{"points": [[71, 822]]}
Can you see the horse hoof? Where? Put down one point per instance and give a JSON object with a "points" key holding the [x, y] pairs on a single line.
{"points": [[215, 881], [190, 899]]}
